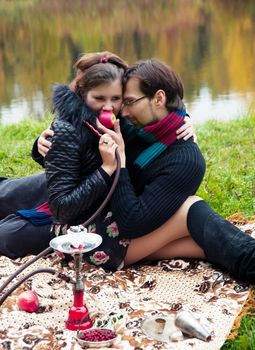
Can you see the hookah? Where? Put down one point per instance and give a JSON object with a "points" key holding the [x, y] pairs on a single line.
{"points": [[76, 242]]}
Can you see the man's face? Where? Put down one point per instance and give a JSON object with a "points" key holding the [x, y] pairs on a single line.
{"points": [[137, 107]]}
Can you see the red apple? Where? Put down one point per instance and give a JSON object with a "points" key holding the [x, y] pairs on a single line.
{"points": [[28, 301], [107, 118]]}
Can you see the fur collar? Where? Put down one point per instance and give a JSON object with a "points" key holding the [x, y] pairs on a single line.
{"points": [[69, 106]]}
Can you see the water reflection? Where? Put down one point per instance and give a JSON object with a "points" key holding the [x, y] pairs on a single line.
{"points": [[223, 107], [32, 106], [211, 45]]}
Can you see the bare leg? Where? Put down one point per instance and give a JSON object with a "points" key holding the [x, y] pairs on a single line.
{"points": [[184, 247], [172, 230]]}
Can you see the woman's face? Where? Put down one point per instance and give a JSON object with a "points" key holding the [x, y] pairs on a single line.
{"points": [[106, 97]]}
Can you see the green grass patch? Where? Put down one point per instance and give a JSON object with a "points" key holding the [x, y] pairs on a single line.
{"points": [[245, 339], [16, 145], [228, 148]]}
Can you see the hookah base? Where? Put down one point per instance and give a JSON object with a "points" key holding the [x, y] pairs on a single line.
{"points": [[78, 319]]}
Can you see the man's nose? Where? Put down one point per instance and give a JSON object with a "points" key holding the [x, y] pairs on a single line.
{"points": [[124, 111]]}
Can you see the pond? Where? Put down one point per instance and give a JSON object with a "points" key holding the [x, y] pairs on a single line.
{"points": [[211, 44]]}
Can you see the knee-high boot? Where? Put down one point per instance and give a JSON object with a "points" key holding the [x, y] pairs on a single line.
{"points": [[222, 242]]}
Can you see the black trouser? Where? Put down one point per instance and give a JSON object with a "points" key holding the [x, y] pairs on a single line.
{"points": [[22, 193], [222, 242], [18, 237]]}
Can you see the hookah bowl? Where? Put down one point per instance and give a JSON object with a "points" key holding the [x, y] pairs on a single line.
{"points": [[76, 242]]}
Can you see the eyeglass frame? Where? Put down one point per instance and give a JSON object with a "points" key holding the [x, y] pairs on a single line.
{"points": [[132, 102]]}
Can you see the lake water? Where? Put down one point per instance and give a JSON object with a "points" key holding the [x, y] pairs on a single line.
{"points": [[211, 44]]}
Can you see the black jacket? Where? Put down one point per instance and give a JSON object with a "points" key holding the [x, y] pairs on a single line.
{"points": [[76, 183]]}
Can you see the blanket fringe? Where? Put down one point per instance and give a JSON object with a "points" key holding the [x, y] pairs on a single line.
{"points": [[249, 306], [239, 219], [247, 310]]}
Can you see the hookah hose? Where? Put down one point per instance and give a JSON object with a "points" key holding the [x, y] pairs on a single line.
{"points": [[114, 183], [49, 249], [30, 274], [21, 280], [23, 267]]}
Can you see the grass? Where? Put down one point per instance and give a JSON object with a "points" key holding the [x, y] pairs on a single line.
{"points": [[246, 336], [229, 183], [15, 147], [228, 186]]}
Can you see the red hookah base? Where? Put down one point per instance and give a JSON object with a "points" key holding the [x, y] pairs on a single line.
{"points": [[78, 319]]}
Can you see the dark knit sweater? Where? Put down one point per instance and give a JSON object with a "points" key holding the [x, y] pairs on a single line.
{"points": [[145, 199]]}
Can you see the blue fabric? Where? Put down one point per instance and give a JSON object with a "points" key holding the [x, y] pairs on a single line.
{"points": [[35, 217]]}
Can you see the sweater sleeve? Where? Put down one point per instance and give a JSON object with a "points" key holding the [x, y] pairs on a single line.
{"points": [[71, 196], [166, 190]]}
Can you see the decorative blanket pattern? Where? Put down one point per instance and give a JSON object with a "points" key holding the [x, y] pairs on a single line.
{"points": [[131, 294]]}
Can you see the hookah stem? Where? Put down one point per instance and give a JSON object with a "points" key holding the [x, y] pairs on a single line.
{"points": [[78, 288], [17, 284], [78, 266], [116, 178], [23, 267]]}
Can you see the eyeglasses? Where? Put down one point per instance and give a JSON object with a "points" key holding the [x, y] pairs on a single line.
{"points": [[129, 103]]}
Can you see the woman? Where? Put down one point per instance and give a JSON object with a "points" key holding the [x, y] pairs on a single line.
{"points": [[75, 190], [29, 231], [25, 228]]}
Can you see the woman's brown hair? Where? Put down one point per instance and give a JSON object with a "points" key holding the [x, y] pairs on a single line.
{"points": [[94, 69]]}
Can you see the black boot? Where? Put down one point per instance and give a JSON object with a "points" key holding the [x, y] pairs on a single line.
{"points": [[222, 242]]}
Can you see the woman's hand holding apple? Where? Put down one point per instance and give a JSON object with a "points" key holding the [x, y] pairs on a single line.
{"points": [[116, 136]]}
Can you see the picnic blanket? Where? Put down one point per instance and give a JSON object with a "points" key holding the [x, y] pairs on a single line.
{"points": [[129, 296]]}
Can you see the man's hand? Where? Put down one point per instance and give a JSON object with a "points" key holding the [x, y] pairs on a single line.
{"points": [[43, 144], [186, 131]]}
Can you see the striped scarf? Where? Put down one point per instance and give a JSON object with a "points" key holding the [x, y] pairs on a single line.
{"points": [[160, 135]]}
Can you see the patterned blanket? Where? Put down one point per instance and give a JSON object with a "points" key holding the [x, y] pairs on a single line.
{"points": [[129, 296]]}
